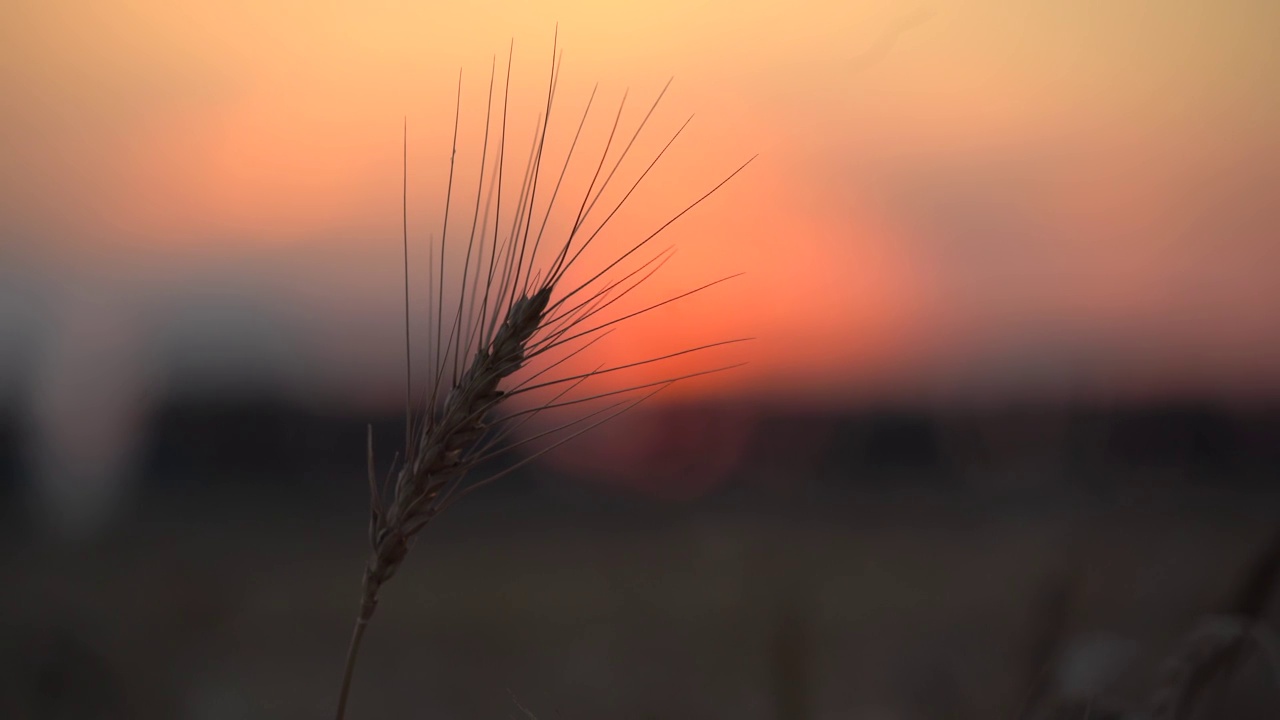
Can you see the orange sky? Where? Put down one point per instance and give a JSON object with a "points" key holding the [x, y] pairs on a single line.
{"points": [[983, 197]]}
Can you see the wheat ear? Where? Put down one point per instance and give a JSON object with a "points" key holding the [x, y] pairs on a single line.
{"points": [[514, 306]]}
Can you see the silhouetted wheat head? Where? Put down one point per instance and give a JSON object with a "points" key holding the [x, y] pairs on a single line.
{"points": [[520, 307]]}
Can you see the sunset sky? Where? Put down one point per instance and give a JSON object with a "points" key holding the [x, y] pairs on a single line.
{"points": [[952, 200]]}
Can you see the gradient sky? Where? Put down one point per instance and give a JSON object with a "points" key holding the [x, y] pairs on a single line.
{"points": [[952, 199], [974, 200]]}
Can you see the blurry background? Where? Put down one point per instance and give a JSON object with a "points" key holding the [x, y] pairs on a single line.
{"points": [[1012, 269]]}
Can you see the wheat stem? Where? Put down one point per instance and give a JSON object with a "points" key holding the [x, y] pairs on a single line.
{"points": [[349, 670]]}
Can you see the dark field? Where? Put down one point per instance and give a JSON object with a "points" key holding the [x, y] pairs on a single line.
{"points": [[878, 607]]}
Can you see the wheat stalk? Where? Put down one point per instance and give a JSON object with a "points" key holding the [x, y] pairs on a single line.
{"points": [[514, 305], [1214, 649]]}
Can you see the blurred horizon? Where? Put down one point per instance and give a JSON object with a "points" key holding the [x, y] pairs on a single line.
{"points": [[953, 204]]}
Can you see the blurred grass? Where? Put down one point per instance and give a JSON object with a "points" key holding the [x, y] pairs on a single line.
{"points": [[894, 605]]}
